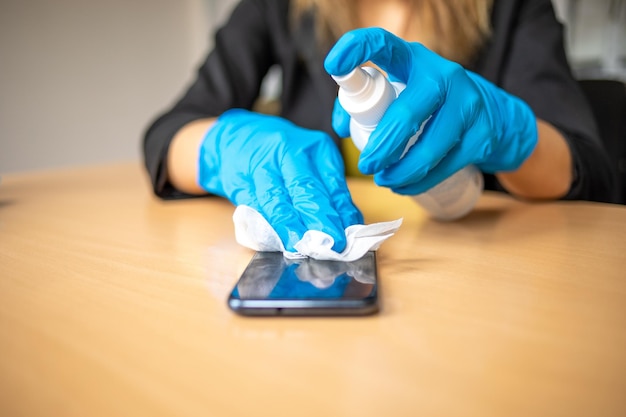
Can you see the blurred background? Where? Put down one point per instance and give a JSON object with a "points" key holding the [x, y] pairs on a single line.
{"points": [[81, 79]]}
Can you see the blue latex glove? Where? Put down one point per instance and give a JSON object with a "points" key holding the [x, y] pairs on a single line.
{"points": [[473, 121], [293, 176]]}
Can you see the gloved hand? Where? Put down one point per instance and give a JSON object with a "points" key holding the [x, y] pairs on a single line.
{"points": [[293, 176], [473, 121]]}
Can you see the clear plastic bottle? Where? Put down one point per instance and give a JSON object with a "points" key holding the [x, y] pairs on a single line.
{"points": [[365, 93]]}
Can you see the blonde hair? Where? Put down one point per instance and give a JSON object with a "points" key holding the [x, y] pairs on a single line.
{"points": [[455, 29]]}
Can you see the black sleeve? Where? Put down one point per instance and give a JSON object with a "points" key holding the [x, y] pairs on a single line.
{"points": [[534, 67], [230, 77]]}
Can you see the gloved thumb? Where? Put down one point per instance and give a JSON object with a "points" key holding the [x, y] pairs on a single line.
{"points": [[341, 120]]}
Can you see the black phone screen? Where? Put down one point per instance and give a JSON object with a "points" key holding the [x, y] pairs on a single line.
{"points": [[273, 285]]}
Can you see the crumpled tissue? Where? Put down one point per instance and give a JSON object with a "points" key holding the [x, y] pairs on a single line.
{"points": [[254, 232]]}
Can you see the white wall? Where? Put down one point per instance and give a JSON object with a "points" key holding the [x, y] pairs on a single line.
{"points": [[81, 79], [596, 35]]}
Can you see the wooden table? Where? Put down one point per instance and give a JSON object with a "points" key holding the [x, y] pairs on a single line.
{"points": [[113, 303]]}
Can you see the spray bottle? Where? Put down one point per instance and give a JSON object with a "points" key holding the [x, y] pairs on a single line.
{"points": [[365, 93]]}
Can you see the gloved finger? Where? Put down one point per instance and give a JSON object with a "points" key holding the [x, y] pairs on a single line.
{"points": [[340, 120], [342, 201], [387, 145], [331, 170], [452, 163], [358, 46], [310, 198], [442, 133], [273, 201], [273, 204], [473, 144], [387, 142], [402, 120], [241, 191]]}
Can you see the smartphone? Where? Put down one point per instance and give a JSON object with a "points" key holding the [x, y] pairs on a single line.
{"points": [[272, 285]]}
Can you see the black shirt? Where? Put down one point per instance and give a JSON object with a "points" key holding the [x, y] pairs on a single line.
{"points": [[524, 55]]}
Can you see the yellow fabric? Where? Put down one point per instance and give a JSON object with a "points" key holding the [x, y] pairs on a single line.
{"points": [[351, 158]]}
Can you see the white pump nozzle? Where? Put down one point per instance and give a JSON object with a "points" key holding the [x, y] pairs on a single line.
{"points": [[354, 82], [365, 93]]}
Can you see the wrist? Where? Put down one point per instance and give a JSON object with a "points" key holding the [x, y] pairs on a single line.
{"points": [[183, 154], [547, 173]]}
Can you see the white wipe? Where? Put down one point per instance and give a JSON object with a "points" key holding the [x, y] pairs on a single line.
{"points": [[254, 232]]}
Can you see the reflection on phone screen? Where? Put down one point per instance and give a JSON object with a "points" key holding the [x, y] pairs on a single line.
{"points": [[272, 276]]}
